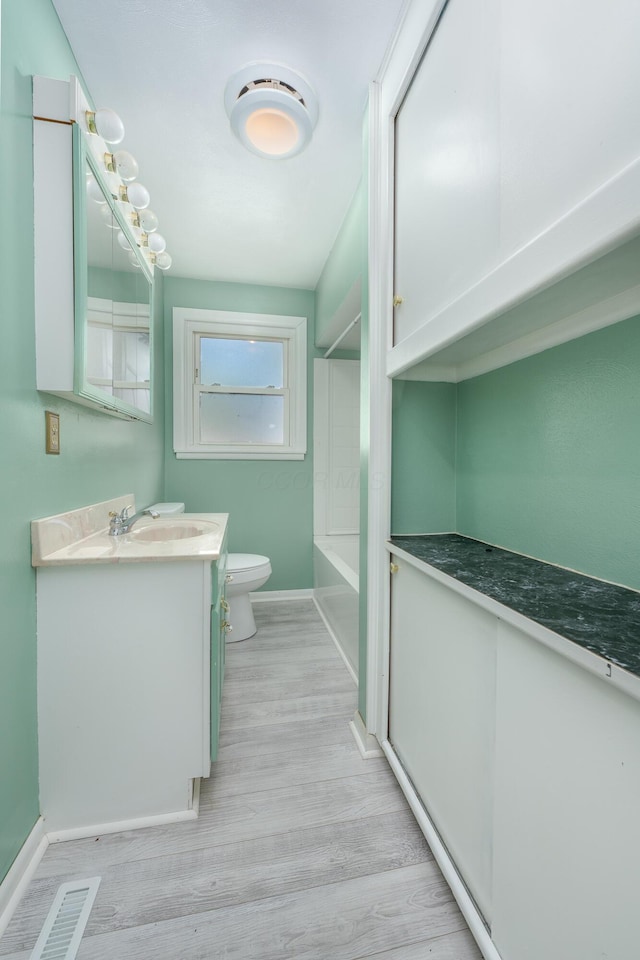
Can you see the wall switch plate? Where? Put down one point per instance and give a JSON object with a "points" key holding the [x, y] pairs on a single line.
{"points": [[52, 431]]}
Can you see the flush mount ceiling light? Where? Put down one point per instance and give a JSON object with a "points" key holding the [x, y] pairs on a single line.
{"points": [[272, 109]]}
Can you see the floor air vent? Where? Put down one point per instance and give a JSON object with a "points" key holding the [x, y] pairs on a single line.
{"points": [[62, 932]]}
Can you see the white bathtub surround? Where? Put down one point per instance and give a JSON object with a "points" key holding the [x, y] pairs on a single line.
{"points": [[335, 577], [336, 447]]}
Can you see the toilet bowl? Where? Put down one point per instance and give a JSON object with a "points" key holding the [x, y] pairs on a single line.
{"points": [[245, 572]]}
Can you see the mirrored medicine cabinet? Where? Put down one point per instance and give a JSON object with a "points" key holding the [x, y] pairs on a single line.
{"points": [[113, 295], [93, 285]]}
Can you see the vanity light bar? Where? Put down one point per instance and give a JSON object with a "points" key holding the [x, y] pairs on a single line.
{"points": [[106, 123]]}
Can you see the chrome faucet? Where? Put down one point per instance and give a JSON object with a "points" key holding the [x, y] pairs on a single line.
{"points": [[120, 523]]}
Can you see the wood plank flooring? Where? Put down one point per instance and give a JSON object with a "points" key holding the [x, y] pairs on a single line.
{"points": [[302, 850]]}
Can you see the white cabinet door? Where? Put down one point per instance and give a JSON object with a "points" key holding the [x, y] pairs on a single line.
{"points": [[447, 165], [567, 797], [568, 106], [519, 112], [442, 715]]}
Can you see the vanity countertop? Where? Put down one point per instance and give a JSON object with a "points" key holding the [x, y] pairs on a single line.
{"points": [[82, 536], [601, 617]]}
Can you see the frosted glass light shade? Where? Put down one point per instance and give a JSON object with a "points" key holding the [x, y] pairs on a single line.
{"points": [[126, 165], [272, 131], [138, 196], [148, 221], [163, 260], [123, 241], [272, 109], [156, 242], [133, 260], [271, 123], [107, 124]]}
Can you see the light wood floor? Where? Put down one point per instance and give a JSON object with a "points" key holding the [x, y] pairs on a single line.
{"points": [[302, 851]]}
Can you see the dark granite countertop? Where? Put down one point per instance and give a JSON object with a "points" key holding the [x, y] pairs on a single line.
{"points": [[601, 617]]}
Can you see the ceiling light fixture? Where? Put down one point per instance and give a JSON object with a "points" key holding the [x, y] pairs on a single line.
{"points": [[272, 109]]}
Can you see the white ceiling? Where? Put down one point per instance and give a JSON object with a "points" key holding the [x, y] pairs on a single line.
{"points": [[163, 65]]}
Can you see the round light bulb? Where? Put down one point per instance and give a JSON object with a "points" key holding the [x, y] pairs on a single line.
{"points": [[126, 165], [107, 215], [138, 196], [156, 243], [163, 260], [133, 260], [123, 241], [109, 125], [272, 131], [148, 221], [94, 190]]}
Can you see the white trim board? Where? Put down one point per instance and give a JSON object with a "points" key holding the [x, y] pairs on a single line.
{"points": [[21, 871], [261, 596], [366, 742], [120, 826]]}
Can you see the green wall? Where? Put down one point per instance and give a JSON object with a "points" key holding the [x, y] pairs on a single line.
{"points": [[101, 456], [344, 264], [270, 502], [423, 476], [547, 458]]}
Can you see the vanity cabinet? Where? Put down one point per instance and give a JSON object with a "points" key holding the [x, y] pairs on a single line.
{"points": [[130, 671], [526, 759]]}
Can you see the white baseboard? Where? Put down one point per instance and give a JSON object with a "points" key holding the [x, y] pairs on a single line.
{"points": [[266, 595], [464, 900], [118, 826], [338, 646], [367, 743], [15, 884]]}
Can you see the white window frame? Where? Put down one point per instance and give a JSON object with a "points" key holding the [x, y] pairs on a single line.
{"points": [[189, 324]]}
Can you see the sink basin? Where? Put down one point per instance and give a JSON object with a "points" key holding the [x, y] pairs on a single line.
{"points": [[162, 532]]}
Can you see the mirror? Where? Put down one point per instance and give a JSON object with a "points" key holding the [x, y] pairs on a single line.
{"points": [[113, 297]]}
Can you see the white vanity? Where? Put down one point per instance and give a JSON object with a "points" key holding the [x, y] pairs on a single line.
{"points": [[130, 661]]}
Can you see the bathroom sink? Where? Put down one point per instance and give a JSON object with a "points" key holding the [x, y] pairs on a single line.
{"points": [[176, 530]]}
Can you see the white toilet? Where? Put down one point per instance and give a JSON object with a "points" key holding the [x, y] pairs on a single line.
{"points": [[245, 572]]}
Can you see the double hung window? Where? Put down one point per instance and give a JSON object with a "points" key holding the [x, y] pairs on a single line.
{"points": [[239, 385]]}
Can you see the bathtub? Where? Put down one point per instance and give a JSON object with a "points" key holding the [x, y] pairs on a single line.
{"points": [[336, 593]]}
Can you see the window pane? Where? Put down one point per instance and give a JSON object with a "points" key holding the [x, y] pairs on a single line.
{"points": [[241, 418], [241, 363]]}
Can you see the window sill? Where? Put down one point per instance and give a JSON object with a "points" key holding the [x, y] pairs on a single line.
{"points": [[184, 455]]}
